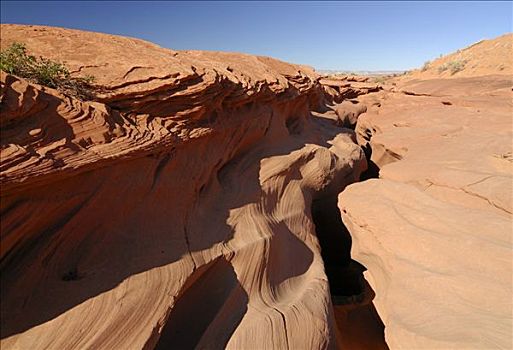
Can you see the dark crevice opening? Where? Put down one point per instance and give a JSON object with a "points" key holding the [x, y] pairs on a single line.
{"points": [[71, 275], [344, 274], [372, 171], [357, 320]]}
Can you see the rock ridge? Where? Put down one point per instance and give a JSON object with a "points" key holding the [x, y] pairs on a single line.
{"points": [[174, 208]]}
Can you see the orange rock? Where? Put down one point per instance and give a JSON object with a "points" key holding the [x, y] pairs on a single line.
{"points": [[486, 57], [434, 231], [172, 209], [185, 204]]}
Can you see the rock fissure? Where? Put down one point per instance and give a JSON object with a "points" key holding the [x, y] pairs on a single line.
{"points": [[213, 217], [422, 239], [357, 320], [470, 193]]}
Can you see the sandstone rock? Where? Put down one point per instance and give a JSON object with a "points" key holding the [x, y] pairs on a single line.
{"points": [[192, 203], [349, 111], [485, 57], [175, 208], [434, 231], [340, 88]]}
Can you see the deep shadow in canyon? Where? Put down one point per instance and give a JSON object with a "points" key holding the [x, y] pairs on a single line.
{"points": [[211, 292], [357, 319], [372, 171], [76, 279]]}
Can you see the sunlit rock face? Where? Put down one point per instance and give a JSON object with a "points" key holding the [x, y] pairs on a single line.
{"points": [[206, 200], [434, 231], [175, 208]]}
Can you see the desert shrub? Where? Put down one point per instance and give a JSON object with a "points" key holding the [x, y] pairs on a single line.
{"points": [[15, 60], [456, 66], [442, 68], [425, 67], [380, 79], [453, 66]]}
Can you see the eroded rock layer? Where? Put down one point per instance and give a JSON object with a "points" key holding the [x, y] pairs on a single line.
{"points": [[434, 231], [175, 208]]}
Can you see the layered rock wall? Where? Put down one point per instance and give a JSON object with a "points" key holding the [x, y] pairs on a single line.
{"points": [[175, 208]]}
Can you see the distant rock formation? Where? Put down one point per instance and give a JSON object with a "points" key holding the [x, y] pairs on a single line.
{"points": [[486, 57]]}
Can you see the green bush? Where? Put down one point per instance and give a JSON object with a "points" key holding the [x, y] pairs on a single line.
{"points": [[453, 66], [15, 60]]}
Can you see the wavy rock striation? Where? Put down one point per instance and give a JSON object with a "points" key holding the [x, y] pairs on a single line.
{"points": [[175, 208]]}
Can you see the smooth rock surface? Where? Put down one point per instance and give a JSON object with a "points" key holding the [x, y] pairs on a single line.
{"points": [[435, 230], [485, 57]]}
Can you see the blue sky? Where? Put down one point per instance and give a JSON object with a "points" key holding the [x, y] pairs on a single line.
{"points": [[327, 35]]}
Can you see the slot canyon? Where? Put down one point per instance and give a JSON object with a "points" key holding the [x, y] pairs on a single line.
{"points": [[220, 200]]}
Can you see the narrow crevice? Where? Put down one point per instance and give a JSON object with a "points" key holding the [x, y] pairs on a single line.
{"points": [[356, 317], [372, 171], [284, 327], [344, 274]]}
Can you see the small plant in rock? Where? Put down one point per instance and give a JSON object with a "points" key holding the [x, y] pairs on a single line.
{"points": [[453, 66], [380, 79], [442, 68], [457, 66], [15, 60]]}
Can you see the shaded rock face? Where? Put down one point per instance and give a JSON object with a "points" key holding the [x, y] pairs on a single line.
{"points": [[175, 208], [434, 231], [194, 203]]}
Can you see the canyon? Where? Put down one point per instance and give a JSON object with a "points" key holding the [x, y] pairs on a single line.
{"points": [[223, 200]]}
